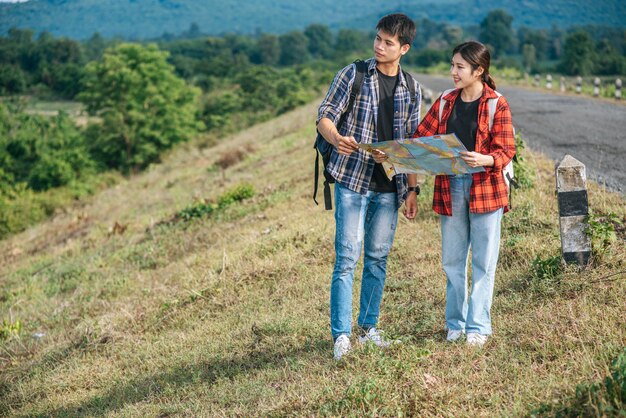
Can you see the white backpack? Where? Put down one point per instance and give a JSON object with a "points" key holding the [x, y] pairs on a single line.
{"points": [[507, 171]]}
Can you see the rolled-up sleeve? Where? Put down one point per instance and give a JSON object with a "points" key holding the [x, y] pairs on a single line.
{"points": [[336, 100], [502, 137]]}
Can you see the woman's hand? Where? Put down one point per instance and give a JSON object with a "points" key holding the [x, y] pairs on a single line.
{"points": [[379, 156], [476, 159]]}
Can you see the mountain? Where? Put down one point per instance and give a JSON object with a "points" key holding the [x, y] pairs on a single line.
{"points": [[140, 19]]}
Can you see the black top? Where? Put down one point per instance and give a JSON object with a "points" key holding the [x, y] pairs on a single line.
{"points": [[463, 122], [384, 130]]}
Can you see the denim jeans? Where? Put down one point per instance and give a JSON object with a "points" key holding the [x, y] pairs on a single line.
{"points": [[459, 232], [361, 220]]}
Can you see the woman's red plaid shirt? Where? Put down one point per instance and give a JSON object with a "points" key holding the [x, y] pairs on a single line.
{"points": [[489, 191]]}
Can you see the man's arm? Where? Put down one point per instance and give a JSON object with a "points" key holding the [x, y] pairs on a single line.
{"points": [[410, 204], [345, 145]]}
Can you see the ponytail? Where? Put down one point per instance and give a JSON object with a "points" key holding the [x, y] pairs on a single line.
{"points": [[489, 80]]}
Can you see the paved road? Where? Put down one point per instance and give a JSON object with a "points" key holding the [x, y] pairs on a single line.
{"points": [[592, 131]]}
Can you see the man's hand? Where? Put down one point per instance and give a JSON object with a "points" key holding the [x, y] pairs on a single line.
{"points": [[345, 145], [410, 206]]}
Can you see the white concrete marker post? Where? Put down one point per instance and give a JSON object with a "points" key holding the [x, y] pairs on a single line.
{"points": [[618, 89], [571, 187], [596, 87], [579, 84]]}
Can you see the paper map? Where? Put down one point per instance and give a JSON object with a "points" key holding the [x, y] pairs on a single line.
{"points": [[438, 154]]}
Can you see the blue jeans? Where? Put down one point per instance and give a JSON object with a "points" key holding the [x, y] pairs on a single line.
{"points": [[481, 231], [368, 220]]}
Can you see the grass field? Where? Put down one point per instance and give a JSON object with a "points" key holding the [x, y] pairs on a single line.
{"points": [[119, 307]]}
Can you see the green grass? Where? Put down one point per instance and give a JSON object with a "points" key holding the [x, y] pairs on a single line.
{"points": [[227, 314]]}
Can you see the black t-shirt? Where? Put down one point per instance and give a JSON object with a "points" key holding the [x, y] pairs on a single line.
{"points": [[384, 129], [463, 122]]}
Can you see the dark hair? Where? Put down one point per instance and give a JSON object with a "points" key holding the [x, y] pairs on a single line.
{"points": [[477, 55], [398, 24]]}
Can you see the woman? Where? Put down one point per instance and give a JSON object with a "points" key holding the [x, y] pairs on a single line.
{"points": [[471, 205]]}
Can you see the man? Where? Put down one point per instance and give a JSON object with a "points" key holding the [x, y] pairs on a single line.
{"points": [[366, 201]]}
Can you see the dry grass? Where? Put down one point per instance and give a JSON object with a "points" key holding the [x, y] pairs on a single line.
{"points": [[228, 316]]}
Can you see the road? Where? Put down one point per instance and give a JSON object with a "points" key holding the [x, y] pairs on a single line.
{"points": [[592, 131]]}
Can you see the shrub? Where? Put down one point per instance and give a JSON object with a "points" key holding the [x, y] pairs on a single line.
{"points": [[239, 193], [205, 208]]}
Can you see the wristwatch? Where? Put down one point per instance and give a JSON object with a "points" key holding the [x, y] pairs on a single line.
{"points": [[415, 189]]}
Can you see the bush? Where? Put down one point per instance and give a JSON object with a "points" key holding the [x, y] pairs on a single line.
{"points": [[41, 152], [12, 79], [205, 208]]}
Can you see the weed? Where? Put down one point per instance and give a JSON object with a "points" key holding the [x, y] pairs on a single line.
{"points": [[601, 228], [548, 268], [9, 329], [237, 194], [545, 274], [524, 173], [606, 398]]}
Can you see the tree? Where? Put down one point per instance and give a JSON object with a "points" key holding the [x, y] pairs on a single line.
{"points": [[496, 31], [529, 57], [609, 61], [145, 108], [320, 40], [39, 151], [293, 48], [94, 47], [268, 50], [12, 79], [349, 41], [537, 38], [578, 54]]}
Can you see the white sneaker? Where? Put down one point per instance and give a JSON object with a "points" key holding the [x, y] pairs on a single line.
{"points": [[377, 337], [476, 339], [342, 346], [454, 335]]}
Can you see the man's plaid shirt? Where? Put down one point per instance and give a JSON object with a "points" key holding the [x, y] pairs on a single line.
{"points": [[355, 171], [489, 191]]}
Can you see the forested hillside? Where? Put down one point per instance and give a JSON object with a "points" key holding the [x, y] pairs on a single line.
{"points": [[140, 19]]}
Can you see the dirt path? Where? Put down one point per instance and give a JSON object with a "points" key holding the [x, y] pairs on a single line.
{"points": [[592, 131]]}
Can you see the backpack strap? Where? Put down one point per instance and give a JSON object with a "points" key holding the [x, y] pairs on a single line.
{"points": [[361, 68], [409, 81], [442, 102], [492, 103]]}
